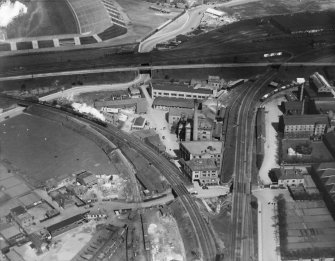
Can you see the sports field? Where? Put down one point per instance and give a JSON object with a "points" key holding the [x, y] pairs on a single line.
{"points": [[43, 18], [42, 149]]}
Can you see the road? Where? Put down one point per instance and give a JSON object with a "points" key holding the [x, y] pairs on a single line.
{"points": [[95, 88], [19, 76], [207, 248], [182, 25], [242, 235]]}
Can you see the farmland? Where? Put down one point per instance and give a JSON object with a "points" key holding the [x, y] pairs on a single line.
{"points": [[42, 149]]}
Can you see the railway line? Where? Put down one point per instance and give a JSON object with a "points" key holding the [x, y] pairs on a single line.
{"points": [[205, 240], [242, 242]]}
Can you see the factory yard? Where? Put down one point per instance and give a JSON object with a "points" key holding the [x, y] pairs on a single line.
{"points": [[164, 236], [41, 149], [64, 247]]}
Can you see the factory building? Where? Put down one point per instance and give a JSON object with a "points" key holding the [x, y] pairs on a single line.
{"points": [[320, 85]]}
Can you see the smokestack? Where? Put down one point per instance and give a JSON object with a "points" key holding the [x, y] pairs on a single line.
{"points": [[302, 91], [195, 121]]}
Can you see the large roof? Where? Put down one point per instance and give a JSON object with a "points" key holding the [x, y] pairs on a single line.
{"points": [[181, 111], [66, 222], [290, 174], [310, 119], [179, 88], [202, 164], [330, 142], [203, 147], [174, 102], [139, 121]]}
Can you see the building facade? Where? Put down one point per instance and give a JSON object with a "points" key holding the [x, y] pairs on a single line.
{"points": [[321, 85], [305, 126], [179, 91], [204, 171], [290, 177]]}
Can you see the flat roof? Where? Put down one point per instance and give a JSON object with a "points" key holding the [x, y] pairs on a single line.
{"points": [[202, 147], [139, 121], [180, 111], [179, 88], [10, 231], [305, 119], [174, 102], [201, 164]]}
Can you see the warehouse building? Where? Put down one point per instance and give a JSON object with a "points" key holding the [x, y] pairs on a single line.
{"points": [[139, 105], [175, 114], [179, 91], [165, 103], [86, 178], [320, 85]]}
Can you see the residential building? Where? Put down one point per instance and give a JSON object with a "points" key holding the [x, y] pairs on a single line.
{"points": [[139, 123], [215, 83], [324, 178], [134, 92], [179, 91], [290, 177], [21, 216], [86, 178], [204, 171], [321, 85], [305, 126], [139, 104], [175, 114], [165, 103], [201, 150]]}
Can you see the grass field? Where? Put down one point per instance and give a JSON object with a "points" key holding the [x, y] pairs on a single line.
{"points": [[42, 149], [43, 18]]}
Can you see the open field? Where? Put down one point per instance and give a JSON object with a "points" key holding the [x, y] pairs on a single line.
{"points": [[42, 149], [42, 86], [43, 18], [251, 9]]}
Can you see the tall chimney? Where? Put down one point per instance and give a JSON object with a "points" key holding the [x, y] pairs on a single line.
{"points": [[195, 121], [302, 91]]}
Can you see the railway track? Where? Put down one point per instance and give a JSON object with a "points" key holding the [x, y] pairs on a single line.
{"points": [[242, 244], [205, 241]]}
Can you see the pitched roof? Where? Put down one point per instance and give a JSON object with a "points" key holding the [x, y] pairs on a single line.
{"points": [[66, 222], [309, 119], [179, 88], [290, 174], [181, 111], [174, 102], [19, 210]]}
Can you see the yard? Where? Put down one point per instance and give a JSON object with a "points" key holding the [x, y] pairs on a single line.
{"points": [[42, 149]]}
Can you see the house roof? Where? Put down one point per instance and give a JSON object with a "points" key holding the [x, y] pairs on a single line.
{"points": [[19, 210], [179, 88], [87, 177], [309, 119], [139, 121], [202, 147], [174, 102], [202, 164]]}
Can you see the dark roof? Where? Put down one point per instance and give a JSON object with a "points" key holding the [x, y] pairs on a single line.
{"points": [[324, 106], [174, 102], [179, 88], [329, 139], [139, 121], [293, 105], [19, 210], [305, 119], [66, 222]]}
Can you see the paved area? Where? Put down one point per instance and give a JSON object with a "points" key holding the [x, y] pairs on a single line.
{"points": [[211, 192], [272, 114], [269, 238]]}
